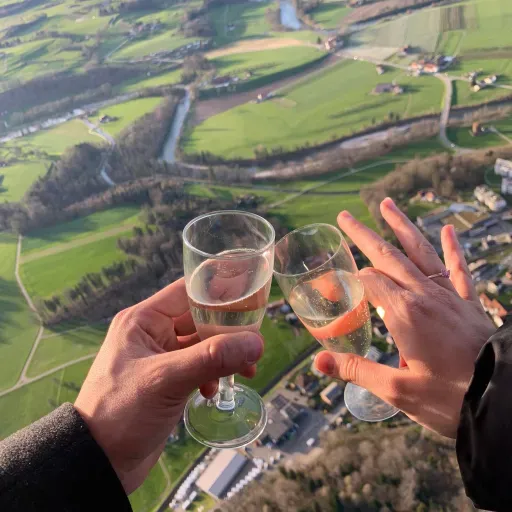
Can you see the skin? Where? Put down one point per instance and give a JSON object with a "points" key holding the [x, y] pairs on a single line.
{"points": [[149, 363], [438, 324]]}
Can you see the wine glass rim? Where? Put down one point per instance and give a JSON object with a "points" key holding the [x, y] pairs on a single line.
{"points": [[230, 212], [303, 228]]}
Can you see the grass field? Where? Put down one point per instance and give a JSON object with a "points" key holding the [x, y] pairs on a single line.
{"points": [[58, 348], [471, 27], [19, 177], [77, 229], [330, 104], [170, 78], [265, 62], [55, 273], [246, 19], [32, 401], [461, 136], [54, 141], [165, 41], [126, 113], [18, 325], [464, 95], [329, 14]]}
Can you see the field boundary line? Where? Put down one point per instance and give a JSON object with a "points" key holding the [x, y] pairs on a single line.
{"points": [[78, 328], [57, 249], [20, 282], [350, 172]]}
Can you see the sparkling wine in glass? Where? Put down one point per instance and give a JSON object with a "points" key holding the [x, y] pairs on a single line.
{"points": [[228, 260], [318, 275]]}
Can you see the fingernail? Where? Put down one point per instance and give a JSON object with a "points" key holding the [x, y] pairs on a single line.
{"points": [[346, 214], [254, 349], [325, 363], [389, 203]]}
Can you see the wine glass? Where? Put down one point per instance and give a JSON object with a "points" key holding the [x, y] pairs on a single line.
{"points": [[318, 276], [228, 258]]}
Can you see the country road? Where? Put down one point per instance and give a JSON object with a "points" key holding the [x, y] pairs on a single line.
{"points": [[94, 129]]}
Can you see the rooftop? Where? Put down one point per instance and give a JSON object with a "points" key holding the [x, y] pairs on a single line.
{"points": [[220, 472]]}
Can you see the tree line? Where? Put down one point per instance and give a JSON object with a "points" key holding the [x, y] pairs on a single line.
{"points": [[377, 469]]}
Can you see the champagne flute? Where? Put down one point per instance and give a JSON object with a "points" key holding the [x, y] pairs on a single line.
{"points": [[228, 258], [318, 276]]}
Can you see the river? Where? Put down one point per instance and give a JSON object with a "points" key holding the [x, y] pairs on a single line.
{"points": [[169, 152], [289, 17]]}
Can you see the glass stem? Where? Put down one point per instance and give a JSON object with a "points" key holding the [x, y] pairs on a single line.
{"points": [[226, 395]]}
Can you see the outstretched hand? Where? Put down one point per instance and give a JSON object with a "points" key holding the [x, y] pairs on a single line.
{"points": [[438, 324], [150, 361]]}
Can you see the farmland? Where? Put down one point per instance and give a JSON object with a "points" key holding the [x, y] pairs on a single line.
{"points": [[330, 14], [323, 106], [82, 227], [125, 114], [19, 326], [18, 178], [54, 273]]}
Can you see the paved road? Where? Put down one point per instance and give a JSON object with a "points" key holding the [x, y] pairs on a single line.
{"points": [[111, 141]]}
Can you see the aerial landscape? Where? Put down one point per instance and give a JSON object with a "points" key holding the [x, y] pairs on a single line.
{"points": [[120, 121]]}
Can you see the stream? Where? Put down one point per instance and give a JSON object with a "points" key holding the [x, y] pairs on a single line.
{"points": [[289, 17], [169, 152]]}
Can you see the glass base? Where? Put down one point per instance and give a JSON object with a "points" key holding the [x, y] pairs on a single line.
{"points": [[365, 406], [226, 429]]}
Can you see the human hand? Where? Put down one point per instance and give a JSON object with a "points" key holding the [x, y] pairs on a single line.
{"points": [[438, 324], [149, 363]]}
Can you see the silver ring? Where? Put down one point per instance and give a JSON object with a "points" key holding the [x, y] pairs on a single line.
{"points": [[443, 273]]}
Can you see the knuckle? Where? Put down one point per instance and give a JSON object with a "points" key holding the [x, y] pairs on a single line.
{"points": [[214, 355], [425, 247], [385, 249], [351, 368]]}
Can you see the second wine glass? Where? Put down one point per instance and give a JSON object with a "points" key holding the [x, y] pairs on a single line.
{"points": [[318, 276]]}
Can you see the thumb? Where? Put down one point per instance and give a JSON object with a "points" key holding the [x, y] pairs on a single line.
{"points": [[215, 357], [383, 381]]}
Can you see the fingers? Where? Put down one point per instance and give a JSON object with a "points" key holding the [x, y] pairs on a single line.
{"points": [[417, 247], [219, 356], [383, 381], [210, 389], [172, 301], [184, 325], [380, 290], [384, 256], [456, 262]]}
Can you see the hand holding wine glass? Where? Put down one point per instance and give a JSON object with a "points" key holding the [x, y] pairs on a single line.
{"points": [[438, 324]]}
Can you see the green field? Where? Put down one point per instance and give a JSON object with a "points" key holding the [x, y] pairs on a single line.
{"points": [[57, 349], [18, 323], [166, 41], [246, 19], [19, 177], [28, 403], [53, 274], [464, 95], [79, 228], [54, 141], [461, 136], [330, 104], [266, 62], [125, 114], [170, 78], [466, 29], [329, 14]]}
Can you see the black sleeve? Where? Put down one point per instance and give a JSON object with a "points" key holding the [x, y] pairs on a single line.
{"points": [[484, 437], [55, 465]]}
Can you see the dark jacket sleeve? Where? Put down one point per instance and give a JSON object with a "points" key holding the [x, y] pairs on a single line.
{"points": [[484, 437], [55, 465]]}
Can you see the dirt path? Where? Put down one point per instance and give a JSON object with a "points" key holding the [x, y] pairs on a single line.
{"points": [[207, 108], [56, 249]]}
